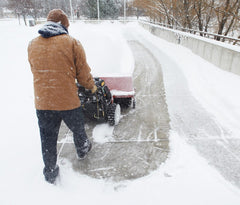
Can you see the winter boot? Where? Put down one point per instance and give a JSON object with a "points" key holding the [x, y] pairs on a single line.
{"points": [[51, 174], [83, 151]]}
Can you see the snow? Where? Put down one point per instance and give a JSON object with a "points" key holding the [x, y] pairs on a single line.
{"points": [[214, 88], [98, 41], [103, 133], [185, 178], [122, 93], [185, 34]]}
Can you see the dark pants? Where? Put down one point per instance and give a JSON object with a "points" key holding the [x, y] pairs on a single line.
{"points": [[49, 122]]}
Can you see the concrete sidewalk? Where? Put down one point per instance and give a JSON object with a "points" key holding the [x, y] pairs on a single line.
{"points": [[140, 142]]}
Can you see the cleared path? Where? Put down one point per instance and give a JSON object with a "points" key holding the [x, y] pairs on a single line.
{"points": [[140, 141]]}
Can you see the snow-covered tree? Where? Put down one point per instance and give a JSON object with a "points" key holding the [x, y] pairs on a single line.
{"points": [[21, 7], [227, 13], [108, 9], [221, 16]]}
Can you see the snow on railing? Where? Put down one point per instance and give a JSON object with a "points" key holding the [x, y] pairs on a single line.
{"points": [[231, 40]]}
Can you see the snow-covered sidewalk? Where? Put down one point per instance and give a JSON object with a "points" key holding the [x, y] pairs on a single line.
{"points": [[202, 102]]}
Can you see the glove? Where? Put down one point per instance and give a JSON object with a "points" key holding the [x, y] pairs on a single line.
{"points": [[94, 89]]}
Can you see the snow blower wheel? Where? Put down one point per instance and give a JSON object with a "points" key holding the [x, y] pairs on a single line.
{"points": [[113, 114], [123, 102]]}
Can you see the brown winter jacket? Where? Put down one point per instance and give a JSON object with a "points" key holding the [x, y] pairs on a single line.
{"points": [[55, 63]]}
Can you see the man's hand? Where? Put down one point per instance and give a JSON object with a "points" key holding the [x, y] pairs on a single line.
{"points": [[94, 89]]}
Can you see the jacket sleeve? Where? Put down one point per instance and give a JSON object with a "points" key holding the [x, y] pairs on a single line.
{"points": [[83, 70]]}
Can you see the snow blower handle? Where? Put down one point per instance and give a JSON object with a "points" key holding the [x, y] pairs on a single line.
{"points": [[94, 89]]}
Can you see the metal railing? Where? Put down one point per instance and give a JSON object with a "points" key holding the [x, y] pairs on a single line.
{"points": [[217, 37]]}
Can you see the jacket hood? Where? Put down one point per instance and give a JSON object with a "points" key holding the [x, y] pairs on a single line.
{"points": [[51, 29]]}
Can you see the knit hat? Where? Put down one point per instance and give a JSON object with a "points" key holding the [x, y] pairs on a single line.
{"points": [[58, 15]]}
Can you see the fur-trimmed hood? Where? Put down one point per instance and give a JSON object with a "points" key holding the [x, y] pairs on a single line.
{"points": [[51, 29]]}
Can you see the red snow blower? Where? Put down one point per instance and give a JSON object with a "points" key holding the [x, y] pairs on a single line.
{"points": [[105, 105]]}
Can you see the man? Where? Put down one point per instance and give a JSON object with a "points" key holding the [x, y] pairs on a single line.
{"points": [[56, 61]]}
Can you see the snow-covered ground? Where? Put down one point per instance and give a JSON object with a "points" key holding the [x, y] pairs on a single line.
{"points": [[99, 44], [213, 88], [185, 178]]}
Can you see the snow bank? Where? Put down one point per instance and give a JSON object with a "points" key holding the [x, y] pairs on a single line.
{"points": [[107, 51]]}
